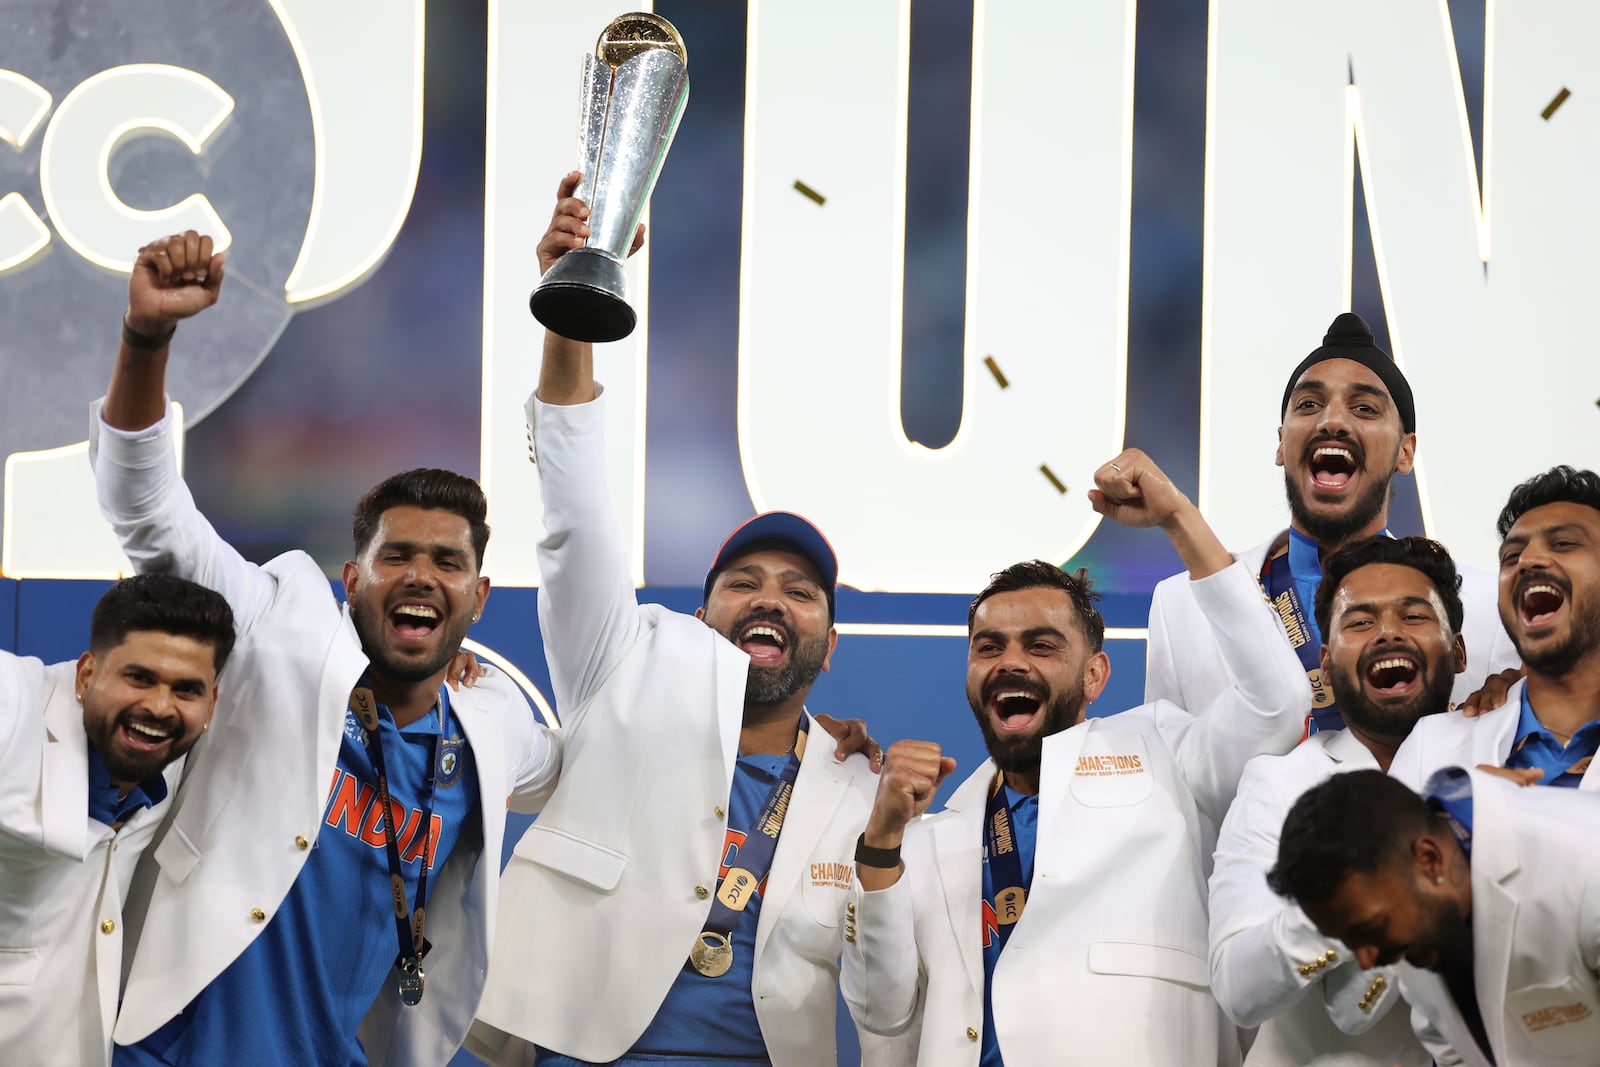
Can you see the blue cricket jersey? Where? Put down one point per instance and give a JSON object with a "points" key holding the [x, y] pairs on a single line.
{"points": [[105, 805], [1535, 746], [298, 993], [1025, 826]]}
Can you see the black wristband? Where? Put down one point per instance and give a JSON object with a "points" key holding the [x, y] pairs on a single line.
{"points": [[146, 342], [868, 856]]}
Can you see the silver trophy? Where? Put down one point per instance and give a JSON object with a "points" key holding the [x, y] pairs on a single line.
{"points": [[634, 88]]}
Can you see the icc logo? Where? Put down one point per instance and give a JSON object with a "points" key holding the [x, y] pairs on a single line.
{"points": [[288, 129]]}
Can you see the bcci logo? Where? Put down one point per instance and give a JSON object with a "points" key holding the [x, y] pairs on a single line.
{"points": [[290, 130], [449, 762]]}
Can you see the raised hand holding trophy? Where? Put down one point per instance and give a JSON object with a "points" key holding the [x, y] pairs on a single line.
{"points": [[635, 85]]}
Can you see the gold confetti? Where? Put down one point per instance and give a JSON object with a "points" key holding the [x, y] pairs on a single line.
{"points": [[806, 191], [1044, 469], [994, 369], [1550, 108]]}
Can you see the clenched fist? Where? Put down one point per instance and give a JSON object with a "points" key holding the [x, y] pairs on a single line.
{"points": [[173, 278], [912, 772]]}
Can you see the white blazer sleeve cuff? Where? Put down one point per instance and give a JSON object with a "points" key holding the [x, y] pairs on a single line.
{"points": [[1357, 999], [878, 976], [135, 449], [1260, 971]]}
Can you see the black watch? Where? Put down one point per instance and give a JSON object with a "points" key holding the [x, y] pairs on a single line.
{"points": [[868, 856]]}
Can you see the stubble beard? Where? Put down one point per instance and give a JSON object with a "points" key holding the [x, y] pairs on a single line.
{"points": [[452, 631]]}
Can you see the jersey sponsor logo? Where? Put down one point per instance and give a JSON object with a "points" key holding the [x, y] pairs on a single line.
{"points": [[353, 728], [353, 808]]}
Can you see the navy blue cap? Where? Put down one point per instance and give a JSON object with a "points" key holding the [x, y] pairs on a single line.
{"points": [[789, 528]]}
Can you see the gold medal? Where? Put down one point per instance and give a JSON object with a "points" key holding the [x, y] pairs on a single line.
{"points": [[1008, 904], [712, 955]]}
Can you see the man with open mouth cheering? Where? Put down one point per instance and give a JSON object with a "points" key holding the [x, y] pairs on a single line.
{"points": [[1390, 611], [89, 754], [1055, 911], [1348, 427], [1549, 726], [338, 833], [681, 897]]}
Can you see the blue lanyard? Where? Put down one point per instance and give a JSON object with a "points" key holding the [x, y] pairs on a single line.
{"points": [[761, 844], [1277, 581], [408, 922], [1005, 864]]}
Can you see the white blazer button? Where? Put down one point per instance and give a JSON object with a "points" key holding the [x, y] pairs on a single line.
{"points": [[301, 843], [972, 1035], [258, 915], [108, 926], [718, 812], [701, 891]]}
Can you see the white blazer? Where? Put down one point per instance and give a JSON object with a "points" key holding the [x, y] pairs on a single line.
{"points": [[1535, 932], [1269, 965], [1184, 665], [605, 894], [253, 794], [1108, 962], [1453, 740], [63, 875]]}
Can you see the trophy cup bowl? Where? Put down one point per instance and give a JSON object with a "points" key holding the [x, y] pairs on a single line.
{"points": [[634, 88]]}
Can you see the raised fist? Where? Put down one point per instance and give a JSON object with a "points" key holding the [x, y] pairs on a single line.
{"points": [[173, 278]]}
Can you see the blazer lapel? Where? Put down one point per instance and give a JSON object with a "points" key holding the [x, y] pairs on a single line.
{"points": [[64, 773], [1428, 993], [1347, 752], [1494, 745], [1494, 908], [1055, 776], [817, 792], [732, 671], [958, 846], [489, 757]]}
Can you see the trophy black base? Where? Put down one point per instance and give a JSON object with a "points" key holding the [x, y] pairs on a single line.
{"points": [[584, 297]]}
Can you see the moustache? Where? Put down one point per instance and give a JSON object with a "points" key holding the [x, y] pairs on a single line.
{"points": [[1336, 442], [765, 618]]}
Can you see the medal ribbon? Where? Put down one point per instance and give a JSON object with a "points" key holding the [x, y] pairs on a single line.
{"points": [[408, 923], [1277, 582], [1000, 848], [760, 845]]}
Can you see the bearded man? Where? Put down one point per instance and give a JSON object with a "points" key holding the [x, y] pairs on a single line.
{"points": [[681, 895], [1055, 911], [1390, 611], [1548, 730], [1347, 427]]}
